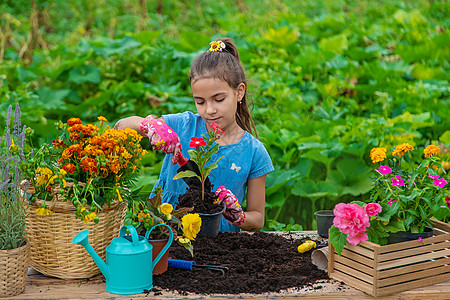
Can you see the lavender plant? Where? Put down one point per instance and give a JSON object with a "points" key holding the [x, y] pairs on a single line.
{"points": [[12, 163]]}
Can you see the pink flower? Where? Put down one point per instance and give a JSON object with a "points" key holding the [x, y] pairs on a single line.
{"points": [[434, 177], [440, 182], [397, 181], [372, 209], [447, 201], [355, 239], [419, 240], [216, 128], [383, 170], [391, 201], [350, 218], [197, 142]]}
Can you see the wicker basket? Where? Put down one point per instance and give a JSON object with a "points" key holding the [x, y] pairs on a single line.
{"points": [[52, 250], [13, 270]]}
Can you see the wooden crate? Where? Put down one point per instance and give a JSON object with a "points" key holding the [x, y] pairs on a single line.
{"points": [[382, 270]]}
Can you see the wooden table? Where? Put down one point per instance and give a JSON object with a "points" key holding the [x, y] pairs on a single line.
{"points": [[43, 287]]}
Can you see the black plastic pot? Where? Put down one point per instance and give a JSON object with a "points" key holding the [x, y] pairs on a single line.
{"points": [[211, 223], [403, 236], [324, 219]]}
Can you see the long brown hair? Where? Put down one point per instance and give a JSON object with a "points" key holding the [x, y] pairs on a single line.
{"points": [[225, 65]]}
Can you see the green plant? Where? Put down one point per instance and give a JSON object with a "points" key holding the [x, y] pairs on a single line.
{"points": [[12, 203], [87, 166], [407, 192], [204, 149], [143, 214]]}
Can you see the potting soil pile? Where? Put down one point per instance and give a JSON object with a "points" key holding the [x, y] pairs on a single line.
{"points": [[258, 263]]}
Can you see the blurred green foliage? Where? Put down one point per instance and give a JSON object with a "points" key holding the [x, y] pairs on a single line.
{"points": [[329, 79]]}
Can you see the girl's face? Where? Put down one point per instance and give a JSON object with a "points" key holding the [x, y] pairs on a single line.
{"points": [[216, 101]]}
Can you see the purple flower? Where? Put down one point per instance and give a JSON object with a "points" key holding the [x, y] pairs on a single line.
{"points": [[440, 182], [391, 201], [384, 170], [397, 181], [434, 177]]}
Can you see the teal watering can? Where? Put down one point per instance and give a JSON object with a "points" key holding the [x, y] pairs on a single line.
{"points": [[129, 264]]}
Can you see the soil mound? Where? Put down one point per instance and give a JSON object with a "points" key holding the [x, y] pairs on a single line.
{"points": [[258, 263]]}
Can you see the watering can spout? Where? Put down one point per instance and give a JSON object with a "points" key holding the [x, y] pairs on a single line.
{"points": [[82, 239]]}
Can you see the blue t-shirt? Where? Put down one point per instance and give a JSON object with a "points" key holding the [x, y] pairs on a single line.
{"points": [[241, 161]]}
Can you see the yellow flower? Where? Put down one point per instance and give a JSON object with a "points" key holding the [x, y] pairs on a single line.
{"points": [[119, 196], [45, 175], [43, 211], [431, 150], [101, 118], [191, 224], [401, 149], [445, 165], [166, 208], [89, 217], [183, 240], [378, 154]]}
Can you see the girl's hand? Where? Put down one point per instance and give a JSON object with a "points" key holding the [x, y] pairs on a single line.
{"points": [[129, 122], [161, 136], [233, 213]]}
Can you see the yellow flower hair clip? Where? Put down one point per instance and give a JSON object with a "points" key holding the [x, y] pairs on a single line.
{"points": [[216, 46]]}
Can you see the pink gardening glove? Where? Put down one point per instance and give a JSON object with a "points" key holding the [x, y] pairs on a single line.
{"points": [[233, 213], [162, 136]]}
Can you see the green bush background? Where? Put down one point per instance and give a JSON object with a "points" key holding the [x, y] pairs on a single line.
{"points": [[329, 79]]}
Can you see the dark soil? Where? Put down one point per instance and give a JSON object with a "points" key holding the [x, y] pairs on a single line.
{"points": [[259, 263], [193, 198]]}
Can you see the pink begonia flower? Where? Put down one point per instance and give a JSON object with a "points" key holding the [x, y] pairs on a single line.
{"points": [[372, 209], [434, 177], [440, 182], [397, 181], [350, 218], [355, 239], [383, 170], [391, 201]]}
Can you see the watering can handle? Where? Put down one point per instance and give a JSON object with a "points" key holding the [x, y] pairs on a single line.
{"points": [[166, 247], [134, 235]]}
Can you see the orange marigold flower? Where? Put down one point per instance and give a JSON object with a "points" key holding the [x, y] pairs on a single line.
{"points": [[431, 150], [101, 118], [378, 154], [73, 121], [70, 168], [89, 164], [59, 143], [401, 149]]}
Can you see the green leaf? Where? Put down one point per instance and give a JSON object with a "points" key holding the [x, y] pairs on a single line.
{"points": [[336, 44], [282, 36], [53, 99], [184, 174], [85, 74], [338, 239], [351, 177]]}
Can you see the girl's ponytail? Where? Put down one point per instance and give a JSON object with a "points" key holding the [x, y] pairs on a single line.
{"points": [[224, 64]]}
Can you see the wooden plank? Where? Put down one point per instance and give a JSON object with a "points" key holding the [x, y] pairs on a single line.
{"points": [[412, 268], [413, 251], [354, 264], [412, 285], [441, 225], [356, 257], [360, 250], [415, 275], [414, 243], [355, 273], [354, 282], [414, 259]]}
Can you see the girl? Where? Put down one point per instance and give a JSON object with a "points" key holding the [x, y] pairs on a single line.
{"points": [[219, 88]]}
